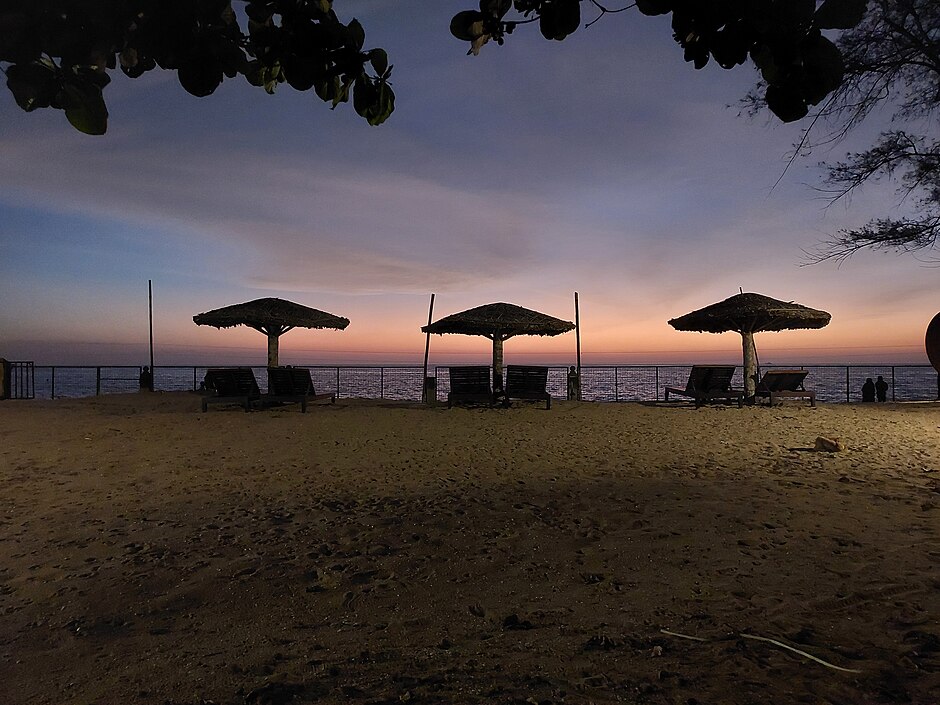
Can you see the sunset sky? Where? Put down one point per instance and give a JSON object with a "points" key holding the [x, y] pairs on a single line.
{"points": [[603, 164]]}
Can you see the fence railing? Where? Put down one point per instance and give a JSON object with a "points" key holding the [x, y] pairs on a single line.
{"points": [[16, 379], [609, 383]]}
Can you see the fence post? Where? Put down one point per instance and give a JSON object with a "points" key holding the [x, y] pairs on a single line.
{"points": [[97, 381], [847, 399]]}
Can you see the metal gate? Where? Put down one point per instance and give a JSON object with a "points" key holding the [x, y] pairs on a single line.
{"points": [[18, 380]]}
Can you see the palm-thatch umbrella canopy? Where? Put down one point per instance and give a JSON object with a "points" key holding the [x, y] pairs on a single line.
{"points": [[749, 314], [499, 322], [273, 317]]}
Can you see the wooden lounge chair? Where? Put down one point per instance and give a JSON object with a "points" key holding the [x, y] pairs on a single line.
{"points": [[292, 384], [231, 386], [784, 383], [527, 382], [469, 385], [708, 383]]}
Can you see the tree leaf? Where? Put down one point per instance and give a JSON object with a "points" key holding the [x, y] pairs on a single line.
{"points": [[654, 7], [824, 69], [559, 18], [840, 14], [467, 25], [786, 102], [85, 108], [357, 34], [32, 85], [258, 11], [342, 90], [374, 101], [301, 73], [379, 60], [199, 76], [729, 46], [495, 8], [386, 104], [364, 95], [327, 89]]}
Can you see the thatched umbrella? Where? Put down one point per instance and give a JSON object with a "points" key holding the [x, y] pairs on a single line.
{"points": [[749, 314], [499, 322], [273, 317]]}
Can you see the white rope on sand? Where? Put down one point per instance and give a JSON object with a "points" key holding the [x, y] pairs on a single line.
{"points": [[801, 653], [770, 641], [682, 636]]}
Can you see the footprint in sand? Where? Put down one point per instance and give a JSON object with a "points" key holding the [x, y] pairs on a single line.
{"points": [[835, 604]]}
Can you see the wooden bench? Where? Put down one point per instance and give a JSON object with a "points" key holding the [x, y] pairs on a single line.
{"points": [[527, 382], [784, 383], [469, 385], [708, 383], [231, 385], [292, 385]]}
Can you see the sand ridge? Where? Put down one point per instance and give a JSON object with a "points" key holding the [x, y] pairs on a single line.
{"points": [[373, 552]]}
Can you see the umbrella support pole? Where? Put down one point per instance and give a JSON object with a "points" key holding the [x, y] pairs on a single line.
{"points": [[272, 350], [428, 394], [750, 365], [497, 364]]}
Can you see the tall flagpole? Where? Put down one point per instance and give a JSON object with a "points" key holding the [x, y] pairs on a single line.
{"points": [[577, 334], [577, 329], [427, 352], [150, 302]]}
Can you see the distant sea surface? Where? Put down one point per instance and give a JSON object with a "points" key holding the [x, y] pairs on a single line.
{"points": [[833, 383]]}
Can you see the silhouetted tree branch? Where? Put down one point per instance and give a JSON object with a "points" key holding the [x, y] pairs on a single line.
{"points": [[915, 163], [783, 38], [892, 59], [57, 53]]}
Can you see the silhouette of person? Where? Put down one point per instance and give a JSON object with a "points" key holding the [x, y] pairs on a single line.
{"points": [[881, 389], [146, 378], [574, 384], [868, 390]]}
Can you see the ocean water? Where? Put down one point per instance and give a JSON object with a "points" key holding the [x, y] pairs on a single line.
{"points": [[609, 383]]}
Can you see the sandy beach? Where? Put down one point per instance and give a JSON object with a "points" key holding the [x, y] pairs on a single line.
{"points": [[369, 552]]}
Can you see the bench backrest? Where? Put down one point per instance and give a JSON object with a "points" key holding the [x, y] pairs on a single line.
{"points": [[526, 379], [710, 378], [289, 381], [473, 379], [782, 380], [232, 382]]}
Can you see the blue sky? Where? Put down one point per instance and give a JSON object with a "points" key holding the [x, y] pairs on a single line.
{"points": [[602, 164]]}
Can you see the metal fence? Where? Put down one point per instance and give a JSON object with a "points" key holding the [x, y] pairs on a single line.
{"points": [[17, 379], [608, 383]]}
